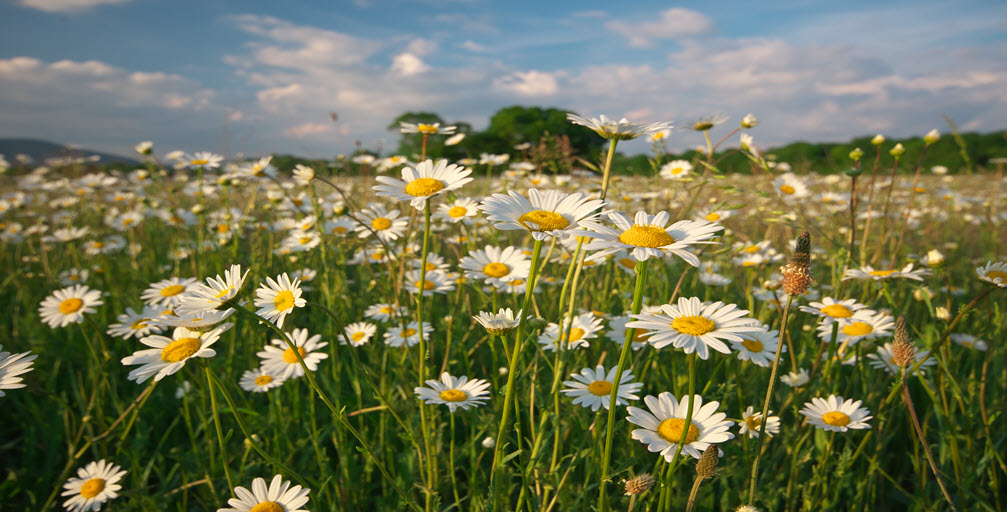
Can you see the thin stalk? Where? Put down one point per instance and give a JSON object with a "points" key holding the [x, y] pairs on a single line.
{"points": [[216, 424], [421, 367], [923, 442]]}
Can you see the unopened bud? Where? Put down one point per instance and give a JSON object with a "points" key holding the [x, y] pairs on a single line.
{"points": [[897, 151], [707, 465], [639, 484], [749, 121], [537, 323], [878, 140], [489, 443], [856, 154], [942, 313], [931, 137]]}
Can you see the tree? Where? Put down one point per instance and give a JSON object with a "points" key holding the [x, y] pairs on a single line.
{"points": [[517, 124]]}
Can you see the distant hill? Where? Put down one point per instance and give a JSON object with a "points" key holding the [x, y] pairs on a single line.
{"points": [[41, 150]]}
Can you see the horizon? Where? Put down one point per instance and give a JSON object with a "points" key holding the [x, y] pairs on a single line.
{"points": [[261, 78]]}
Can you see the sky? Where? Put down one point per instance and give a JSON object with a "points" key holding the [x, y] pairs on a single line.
{"points": [[256, 77]]}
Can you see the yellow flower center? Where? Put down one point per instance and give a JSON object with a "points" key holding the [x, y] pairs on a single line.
{"points": [[223, 228], [381, 223], [627, 262], [752, 345], [427, 285], [386, 310], [71, 305], [424, 187], [408, 332], [640, 335], [199, 161], [267, 506], [457, 211], [919, 190], [99, 245], [284, 300], [836, 418], [748, 263], [995, 274], [290, 358], [676, 170], [139, 324], [172, 290], [857, 329], [751, 249], [646, 236], [224, 292], [262, 380], [427, 128], [787, 189], [671, 430], [453, 395], [543, 221], [575, 335], [304, 240], [600, 388], [430, 266], [92, 488], [496, 270], [180, 349], [338, 230], [837, 311], [693, 325], [357, 336], [712, 217], [882, 273], [753, 422]]}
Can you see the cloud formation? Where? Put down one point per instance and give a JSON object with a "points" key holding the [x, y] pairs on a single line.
{"points": [[66, 6], [674, 23]]}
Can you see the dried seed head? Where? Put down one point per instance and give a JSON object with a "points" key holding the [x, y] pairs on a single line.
{"points": [[903, 351], [639, 484], [797, 274], [707, 465]]}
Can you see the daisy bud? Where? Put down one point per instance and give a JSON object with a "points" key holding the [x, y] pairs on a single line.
{"points": [[942, 313], [797, 273], [641, 483], [878, 140], [856, 154], [489, 443], [931, 137], [749, 508], [854, 172], [707, 465], [503, 371], [897, 151], [749, 121], [903, 351], [923, 293], [537, 323], [935, 258]]}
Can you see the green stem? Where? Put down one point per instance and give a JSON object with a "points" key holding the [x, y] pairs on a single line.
{"points": [[423, 352], [216, 424]]}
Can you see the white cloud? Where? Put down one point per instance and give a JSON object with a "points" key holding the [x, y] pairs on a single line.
{"points": [[407, 64], [65, 6], [472, 46], [308, 129], [421, 47], [674, 23], [527, 83]]}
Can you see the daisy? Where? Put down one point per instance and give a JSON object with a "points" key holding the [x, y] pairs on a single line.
{"points": [[462, 209], [275, 299], [830, 310], [213, 295], [408, 336], [695, 327], [593, 388], [544, 214], [970, 341], [435, 263], [496, 266], [584, 327], [260, 380], [168, 355], [94, 484], [796, 379], [868, 272], [751, 422], [340, 226], [386, 224], [995, 273], [197, 322], [359, 333], [882, 360], [500, 324], [424, 181], [278, 497], [12, 365], [713, 214], [617, 332], [167, 293], [663, 425], [704, 123], [622, 129], [67, 306], [73, 276], [676, 170], [758, 346], [433, 282], [790, 187], [261, 168], [863, 325], [382, 312], [833, 414], [280, 360], [136, 324], [204, 159], [650, 236], [426, 128], [454, 392], [714, 279]]}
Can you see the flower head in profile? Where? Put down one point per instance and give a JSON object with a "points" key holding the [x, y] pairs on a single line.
{"points": [[278, 497], [94, 484], [168, 355], [593, 388], [704, 123], [749, 121], [422, 182], [501, 324], [622, 129], [204, 159], [426, 128], [663, 425], [213, 295], [995, 273], [697, 327], [544, 214], [649, 236], [454, 392], [835, 414], [67, 306], [12, 365], [867, 272]]}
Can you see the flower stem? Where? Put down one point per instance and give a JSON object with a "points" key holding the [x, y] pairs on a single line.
{"points": [[923, 442], [421, 366], [216, 424]]}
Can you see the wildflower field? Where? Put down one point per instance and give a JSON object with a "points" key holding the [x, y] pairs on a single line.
{"points": [[488, 335]]}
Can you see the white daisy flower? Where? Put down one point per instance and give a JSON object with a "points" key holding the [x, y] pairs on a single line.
{"points": [[67, 306], [386, 224], [426, 128], [73, 276], [136, 324], [433, 282], [340, 226], [276, 299], [204, 159], [424, 181], [695, 327], [593, 388], [260, 380], [831, 310], [382, 312], [203, 298], [454, 392], [197, 322], [408, 336], [751, 422], [12, 365], [796, 379], [676, 170], [359, 333], [583, 328], [714, 279], [462, 209], [167, 293], [278, 497], [790, 187], [863, 325], [94, 484], [882, 360], [168, 355], [834, 414], [664, 424], [970, 341], [650, 236], [544, 214], [758, 346], [868, 272], [500, 324], [995, 273], [622, 129], [280, 360], [496, 266]]}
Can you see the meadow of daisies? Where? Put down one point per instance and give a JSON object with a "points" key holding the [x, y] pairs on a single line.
{"points": [[206, 334]]}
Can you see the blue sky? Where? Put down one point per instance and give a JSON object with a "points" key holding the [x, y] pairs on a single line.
{"points": [[259, 77]]}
